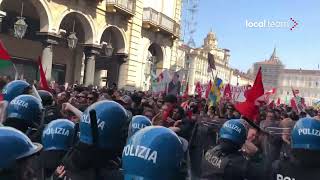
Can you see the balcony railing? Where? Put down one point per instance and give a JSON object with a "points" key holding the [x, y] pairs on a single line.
{"points": [[166, 23], [127, 6], [150, 15], [160, 20]]}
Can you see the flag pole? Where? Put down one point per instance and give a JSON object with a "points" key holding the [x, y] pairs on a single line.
{"points": [[16, 72]]}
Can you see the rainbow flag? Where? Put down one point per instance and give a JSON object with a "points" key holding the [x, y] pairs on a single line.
{"points": [[5, 59]]}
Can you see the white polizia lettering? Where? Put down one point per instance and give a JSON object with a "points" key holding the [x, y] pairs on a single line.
{"points": [[61, 131], [86, 119], [281, 177], [138, 126], [212, 159], [141, 152], [19, 102], [308, 131], [232, 126]]}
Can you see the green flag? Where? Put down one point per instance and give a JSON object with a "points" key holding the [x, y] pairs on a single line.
{"points": [[5, 59]]}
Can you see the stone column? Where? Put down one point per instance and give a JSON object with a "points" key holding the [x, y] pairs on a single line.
{"points": [[121, 69], [48, 41], [90, 59]]}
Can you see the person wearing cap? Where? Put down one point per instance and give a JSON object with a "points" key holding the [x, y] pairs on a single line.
{"points": [[225, 161], [305, 146], [16, 155]]}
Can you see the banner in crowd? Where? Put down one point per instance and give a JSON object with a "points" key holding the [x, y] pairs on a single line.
{"points": [[238, 93], [167, 82], [159, 83], [297, 102]]}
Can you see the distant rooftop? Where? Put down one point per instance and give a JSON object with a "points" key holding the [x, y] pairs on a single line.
{"points": [[303, 71], [273, 60]]}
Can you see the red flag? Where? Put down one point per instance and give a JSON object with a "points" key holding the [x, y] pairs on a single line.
{"points": [[249, 109], [272, 105], [293, 104], [43, 81], [227, 93], [199, 89], [278, 102], [208, 89]]}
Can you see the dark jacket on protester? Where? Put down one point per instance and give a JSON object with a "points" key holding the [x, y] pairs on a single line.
{"points": [[186, 128]]}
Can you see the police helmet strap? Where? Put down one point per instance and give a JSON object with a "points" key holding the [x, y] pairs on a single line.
{"points": [[94, 127]]}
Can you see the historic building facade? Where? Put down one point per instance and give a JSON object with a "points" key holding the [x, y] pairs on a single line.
{"points": [[284, 80], [271, 69], [91, 41], [306, 81], [196, 60]]}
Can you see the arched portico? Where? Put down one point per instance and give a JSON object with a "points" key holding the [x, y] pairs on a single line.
{"points": [[113, 55], [25, 51]]}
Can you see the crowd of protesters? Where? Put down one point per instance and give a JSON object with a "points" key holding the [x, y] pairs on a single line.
{"points": [[196, 123]]}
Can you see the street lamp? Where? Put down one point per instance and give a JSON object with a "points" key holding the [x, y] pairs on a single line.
{"points": [[107, 47], [72, 38], [20, 27], [108, 50]]}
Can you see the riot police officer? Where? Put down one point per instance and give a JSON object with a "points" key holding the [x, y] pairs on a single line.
{"points": [[46, 97], [51, 111], [25, 114], [57, 139], [153, 153], [305, 145], [16, 155], [138, 122], [101, 141], [225, 161], [16, 88]]}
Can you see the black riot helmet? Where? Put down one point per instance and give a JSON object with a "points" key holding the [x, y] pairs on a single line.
{"points": [[46, 97]]}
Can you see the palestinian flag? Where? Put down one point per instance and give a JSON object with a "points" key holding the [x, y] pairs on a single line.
{"points": [[5, 59]]}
